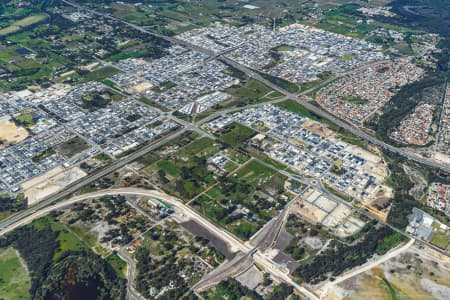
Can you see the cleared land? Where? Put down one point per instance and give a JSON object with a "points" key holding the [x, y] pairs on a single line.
{"points": [[10, 133], [72, 147], [49, 183], [411, 275]]}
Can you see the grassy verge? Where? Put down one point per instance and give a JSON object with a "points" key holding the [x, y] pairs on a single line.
{"points": [[14, 279], [153, 103]]}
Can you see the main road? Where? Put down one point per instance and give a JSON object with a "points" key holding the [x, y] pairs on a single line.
{"points": [[185, 211], [255, 75], [43, 207], [87, 180], [355, 130]]}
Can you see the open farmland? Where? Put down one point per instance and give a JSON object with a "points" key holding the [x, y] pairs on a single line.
{"points": [[21, 24]]}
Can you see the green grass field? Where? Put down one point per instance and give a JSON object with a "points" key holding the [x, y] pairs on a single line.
{"points": [[440, 239], [25, 22], [202, 147], [211, 209], [186, 170], [244, 228], [67, 239], [285, 48], [237, 134], [26, 119], [102, 73], [168, 167], [215, 193], [312, 84], [118, 264], [236, 156], [14, 279], [251, 92], [254, 172], [5, 214], [355, 100], [294, 107]]}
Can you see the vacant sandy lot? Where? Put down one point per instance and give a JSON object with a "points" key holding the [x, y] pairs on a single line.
{"points": [[310, 212], [325, 204], [10, 133], [39, 188], [311, 195], [411, 275], [317, 128], [141, 87], [442, 157]]}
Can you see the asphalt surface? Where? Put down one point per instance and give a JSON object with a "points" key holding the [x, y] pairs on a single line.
{"points": [[276, 226], [131, 271], [253, 74], [87, 180], [356, 131]]}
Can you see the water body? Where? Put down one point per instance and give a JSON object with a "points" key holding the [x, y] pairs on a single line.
{"points": [[23, 51], [44, 5], [79, 291]]}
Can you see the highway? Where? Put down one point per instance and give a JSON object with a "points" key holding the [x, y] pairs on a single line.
{"points": [[356, 131], [87, 180], [239, 263], [287, 95], [253, 74], [274, 228], [186, 212]]}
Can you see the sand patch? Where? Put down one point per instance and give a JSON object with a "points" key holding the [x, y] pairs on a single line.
{"points": [[442, 157], [414, 274], [310, 212], [10, 133], [141, 87], [317, 128], [39, 188]]}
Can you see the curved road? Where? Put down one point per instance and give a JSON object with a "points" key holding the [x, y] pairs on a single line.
{"points": [[131, 271], [236, 245], [317, 110], [364, 268], [87, 180], [356, 131]]}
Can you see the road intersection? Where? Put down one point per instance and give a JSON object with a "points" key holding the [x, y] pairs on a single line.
{"points": [[273, 228], [185, 211], [255, 75]]}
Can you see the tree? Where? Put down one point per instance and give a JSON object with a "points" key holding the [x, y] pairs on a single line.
{"points": [[266, 279]]}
